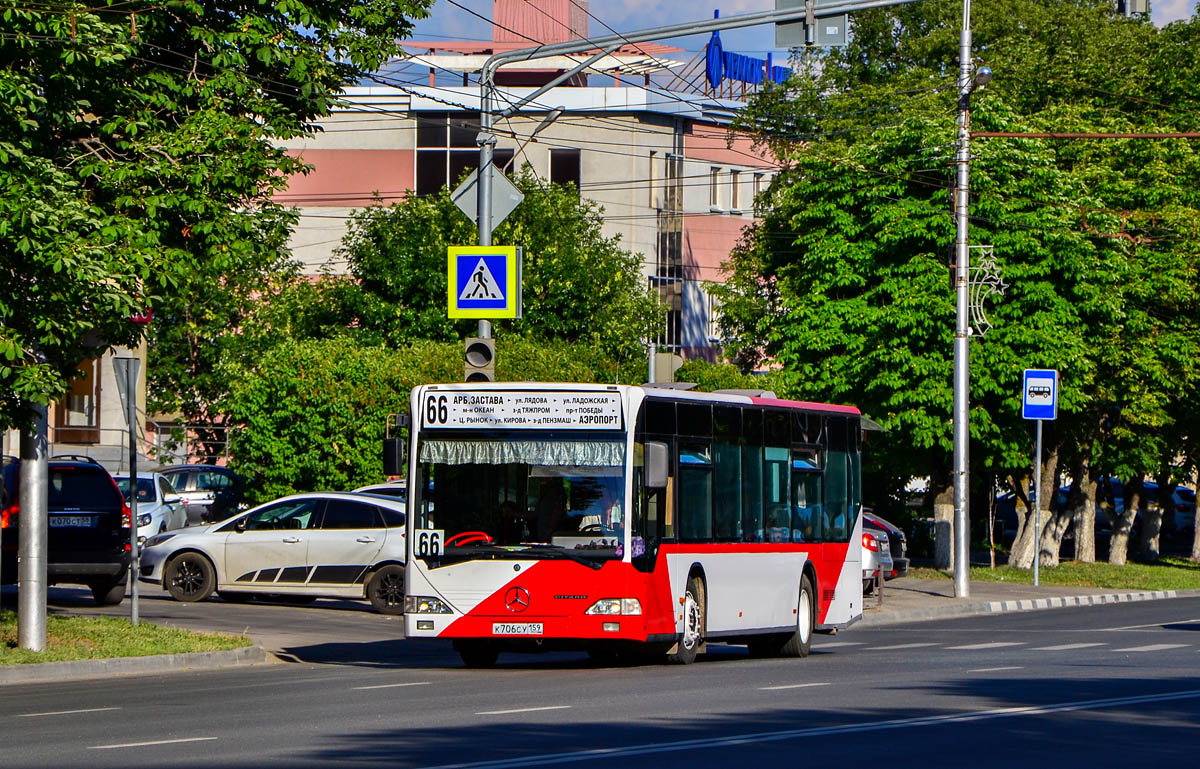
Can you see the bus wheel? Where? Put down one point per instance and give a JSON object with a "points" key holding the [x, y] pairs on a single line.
{"points": [[693, 624], [800, 642], [477, 654]]}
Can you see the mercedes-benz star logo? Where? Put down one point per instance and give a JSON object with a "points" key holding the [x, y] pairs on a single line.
{"points": [[517, 599]]}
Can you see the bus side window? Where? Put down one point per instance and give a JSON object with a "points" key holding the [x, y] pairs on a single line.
{"points": [[836, 482], [729, 492], [777, 480], [695, 491], [806, 496]]}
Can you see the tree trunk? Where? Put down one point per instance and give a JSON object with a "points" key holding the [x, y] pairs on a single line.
{"points": [[1056, 522], [1084, 519], [943, 529], [1020, 554], [1118, 546], [1152, 520], [1023, 546]]}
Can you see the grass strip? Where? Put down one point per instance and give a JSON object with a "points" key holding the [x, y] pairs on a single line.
{"points": [[1168, 574], [86, 638]]}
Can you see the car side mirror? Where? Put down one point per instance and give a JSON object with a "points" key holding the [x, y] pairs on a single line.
{"points": [[657, 465], [240, 526]]}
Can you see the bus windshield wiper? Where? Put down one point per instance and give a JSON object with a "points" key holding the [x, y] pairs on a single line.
{"points": [[555, 551]]}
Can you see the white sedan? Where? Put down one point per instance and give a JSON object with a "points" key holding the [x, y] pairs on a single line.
{"points": [[325, 544], [159, 506]]}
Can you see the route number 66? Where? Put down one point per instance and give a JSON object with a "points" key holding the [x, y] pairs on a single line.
{"points": [[429, 542]]}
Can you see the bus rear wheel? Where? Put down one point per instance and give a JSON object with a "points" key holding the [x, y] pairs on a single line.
{"points": [[694, 623], [800, 642]]}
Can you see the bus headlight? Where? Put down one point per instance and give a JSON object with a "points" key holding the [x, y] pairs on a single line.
{"points": [[611, 606], [424, 604]]}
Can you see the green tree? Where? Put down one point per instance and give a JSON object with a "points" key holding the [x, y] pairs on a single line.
{"points": [[578, 285], [140, 146], [845, 281]]}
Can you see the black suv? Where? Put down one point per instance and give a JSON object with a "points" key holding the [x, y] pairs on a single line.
{"points": [[88, 537]]}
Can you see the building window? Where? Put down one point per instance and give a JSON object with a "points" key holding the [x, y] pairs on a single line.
{"points": [[77, 416], [714, 188], [653, 201], [565, 167], [446, 150], [760, 184], [735, 191], [670, 293], [714, 319]]}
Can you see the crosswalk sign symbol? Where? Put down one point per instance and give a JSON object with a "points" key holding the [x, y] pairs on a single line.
{"points": [[483, 282]]}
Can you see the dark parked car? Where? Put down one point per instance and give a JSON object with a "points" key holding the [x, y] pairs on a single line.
{"points": [[212, 492], [88, 536], [896, 541]]}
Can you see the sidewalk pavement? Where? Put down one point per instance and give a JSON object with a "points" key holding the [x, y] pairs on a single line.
{"points": [[909, 599]]}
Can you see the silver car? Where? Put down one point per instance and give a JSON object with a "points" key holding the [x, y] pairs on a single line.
{"points": [[876, 558], [300, 547], [159, 506]]}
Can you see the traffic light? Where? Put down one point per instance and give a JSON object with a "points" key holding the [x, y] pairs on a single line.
{"points": [[480, 359]]}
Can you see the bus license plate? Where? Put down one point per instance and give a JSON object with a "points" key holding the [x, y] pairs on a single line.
{"points": [[516, 628], [65, 521]]}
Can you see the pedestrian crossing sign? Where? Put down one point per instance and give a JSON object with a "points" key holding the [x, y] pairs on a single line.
{"points": [[484, 281]]}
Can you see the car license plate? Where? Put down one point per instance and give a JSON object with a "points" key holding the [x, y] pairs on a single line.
{"points": [[66, 521], [516, 628]]}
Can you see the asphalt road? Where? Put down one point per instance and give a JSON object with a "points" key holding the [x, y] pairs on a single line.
{"points": [[1112, 685]]}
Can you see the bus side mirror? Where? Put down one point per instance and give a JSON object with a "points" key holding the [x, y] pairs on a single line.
{"points": [[656, 465], [393, 456]]}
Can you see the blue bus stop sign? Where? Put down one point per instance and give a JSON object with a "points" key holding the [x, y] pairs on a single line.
{"points": [[1039, 394]]}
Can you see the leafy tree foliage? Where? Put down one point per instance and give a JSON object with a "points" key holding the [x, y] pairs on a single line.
{"points": [[310, 415], [579, 286], [139, 146], [845, 280]]}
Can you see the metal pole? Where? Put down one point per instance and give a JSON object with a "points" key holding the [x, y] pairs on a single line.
{"points": [[962, 555], [131, 380], [34, 532], [1037, 504]]}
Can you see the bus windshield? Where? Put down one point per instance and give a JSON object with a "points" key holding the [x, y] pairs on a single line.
{"points": [[524, 496]]}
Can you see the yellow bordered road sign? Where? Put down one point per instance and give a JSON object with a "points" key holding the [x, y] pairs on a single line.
{"points": [[483, 281]]}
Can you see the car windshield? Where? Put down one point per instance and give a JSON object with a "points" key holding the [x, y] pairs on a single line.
{"points": [[145, 489], [524, 497]]}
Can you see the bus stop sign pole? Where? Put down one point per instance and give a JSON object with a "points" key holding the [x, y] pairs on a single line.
{"points": [[1039, 402]]}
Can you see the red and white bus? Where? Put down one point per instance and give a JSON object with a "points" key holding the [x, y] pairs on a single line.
{"points": [[615, 518]]}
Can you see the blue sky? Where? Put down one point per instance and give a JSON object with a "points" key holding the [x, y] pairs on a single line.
{"points": [[624, 15]]}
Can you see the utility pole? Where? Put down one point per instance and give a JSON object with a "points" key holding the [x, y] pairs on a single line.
{"points": [[967, 80], [34, 533]]}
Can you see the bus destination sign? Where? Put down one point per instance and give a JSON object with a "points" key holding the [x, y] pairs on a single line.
{"points": [[540, 410]]}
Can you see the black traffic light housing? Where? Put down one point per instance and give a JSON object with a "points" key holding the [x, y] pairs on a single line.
{"points": [[480, 359]]}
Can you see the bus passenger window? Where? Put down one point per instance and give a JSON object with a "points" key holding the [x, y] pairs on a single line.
{"points": [[695, 492], [728, 492], [752, 498], [776, 490]]}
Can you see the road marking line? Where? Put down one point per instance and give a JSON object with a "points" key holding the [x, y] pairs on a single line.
{"points": [[708, 743], [1065, 647], [840, 643], [155, 742], [788, 686], [522, 710], [64, 712], [1151, 648], [996, 670], [1152, 624], [390, 686], [899, 646], [992, 645]]}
